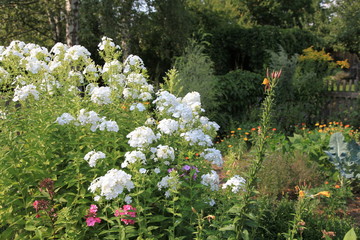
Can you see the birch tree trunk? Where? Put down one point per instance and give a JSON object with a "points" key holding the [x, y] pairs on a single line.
{"points": [[72, 22]]}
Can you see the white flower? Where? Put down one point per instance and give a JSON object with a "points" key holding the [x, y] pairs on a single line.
{"points": [[59, 48], [133, 61], [2, 115], [142, 170], [76, 52], [65, 118], [197, 136], [157, 170], [139, 106], [213, 155], [97, 198], [23, 92], [136, 78], [209, 125], [110, 126], [170, 183], [211, 202], [128, 199], [150, 121], [211, 180], [101, 95], [165, 152], [93, 156], [192, 99], [236, 183], [168, 126], [141, 137], [112, 183], [132, 157]]}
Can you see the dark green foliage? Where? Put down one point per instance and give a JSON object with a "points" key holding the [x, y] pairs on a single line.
{"points": [[240, 92], [247, 48]]}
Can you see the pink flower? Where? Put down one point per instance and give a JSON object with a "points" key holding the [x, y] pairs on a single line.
{"points": [[36, 204], [90, 221], [124, 211], [93, 208]]}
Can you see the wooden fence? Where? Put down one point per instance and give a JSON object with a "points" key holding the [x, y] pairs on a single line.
{"points": [[342, 99]]}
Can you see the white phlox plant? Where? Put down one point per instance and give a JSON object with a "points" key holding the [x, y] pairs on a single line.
{"points": [[236, 183], [93, 156], [113, 183]]}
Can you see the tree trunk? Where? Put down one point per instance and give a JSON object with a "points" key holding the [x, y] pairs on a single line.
{"points": [[72, 22]]}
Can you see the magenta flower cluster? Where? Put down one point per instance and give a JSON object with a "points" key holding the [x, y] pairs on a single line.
{"points": [[91, 218], [126, 211]]}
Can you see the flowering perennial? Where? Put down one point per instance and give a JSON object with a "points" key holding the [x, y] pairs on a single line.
{"points": [[112, 183]]}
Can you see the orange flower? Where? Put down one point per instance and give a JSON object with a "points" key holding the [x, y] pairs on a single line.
{"points": [[266, 82], [253, 129], [239, 129], [247, 133], [337, 186], [323, 193], [326, 182], [245, 139], [301, 194], [274, 129], [229, 146], [232, 132], [346, 126]]}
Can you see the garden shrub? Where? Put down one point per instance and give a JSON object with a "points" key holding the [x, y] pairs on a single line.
{"points": [[195, 72], [240, 92], [117, 160]]}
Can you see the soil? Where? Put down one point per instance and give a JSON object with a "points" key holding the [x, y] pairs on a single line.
{"points": [[354, 208]]}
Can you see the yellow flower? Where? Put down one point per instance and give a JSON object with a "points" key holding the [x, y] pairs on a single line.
{"points": [[266, 81], [232, 132], [245, 139], [323, 193], [301, 194], [317, 124]]}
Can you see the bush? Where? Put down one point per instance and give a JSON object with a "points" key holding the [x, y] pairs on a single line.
{"points": [[240, 92]]}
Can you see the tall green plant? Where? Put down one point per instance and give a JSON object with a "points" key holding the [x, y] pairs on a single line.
{"points": [[196, 73]]}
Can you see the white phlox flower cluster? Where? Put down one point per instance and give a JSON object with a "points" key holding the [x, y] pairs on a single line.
{"points": [[142, 137], [34, 65], [101, 95], [116, 80], [168, 126], [208, 125], [133, 62], [93, 156], [192, 99], [236, 183], [49, 84], [128, 199], [21, 93], [91, 117], [137, 106], [112, 184], [76, 52], [211, 180], [132, 157], [170, 182], [168, 104], [213, 155], [197, 136], [150, 121], [113, 67], [106, 41], [163, 152], [76, 77], [59, 48], [65, 118]]}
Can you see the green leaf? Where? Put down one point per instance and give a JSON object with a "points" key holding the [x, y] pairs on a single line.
{"points": [[350, 235], [230, 227]]}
